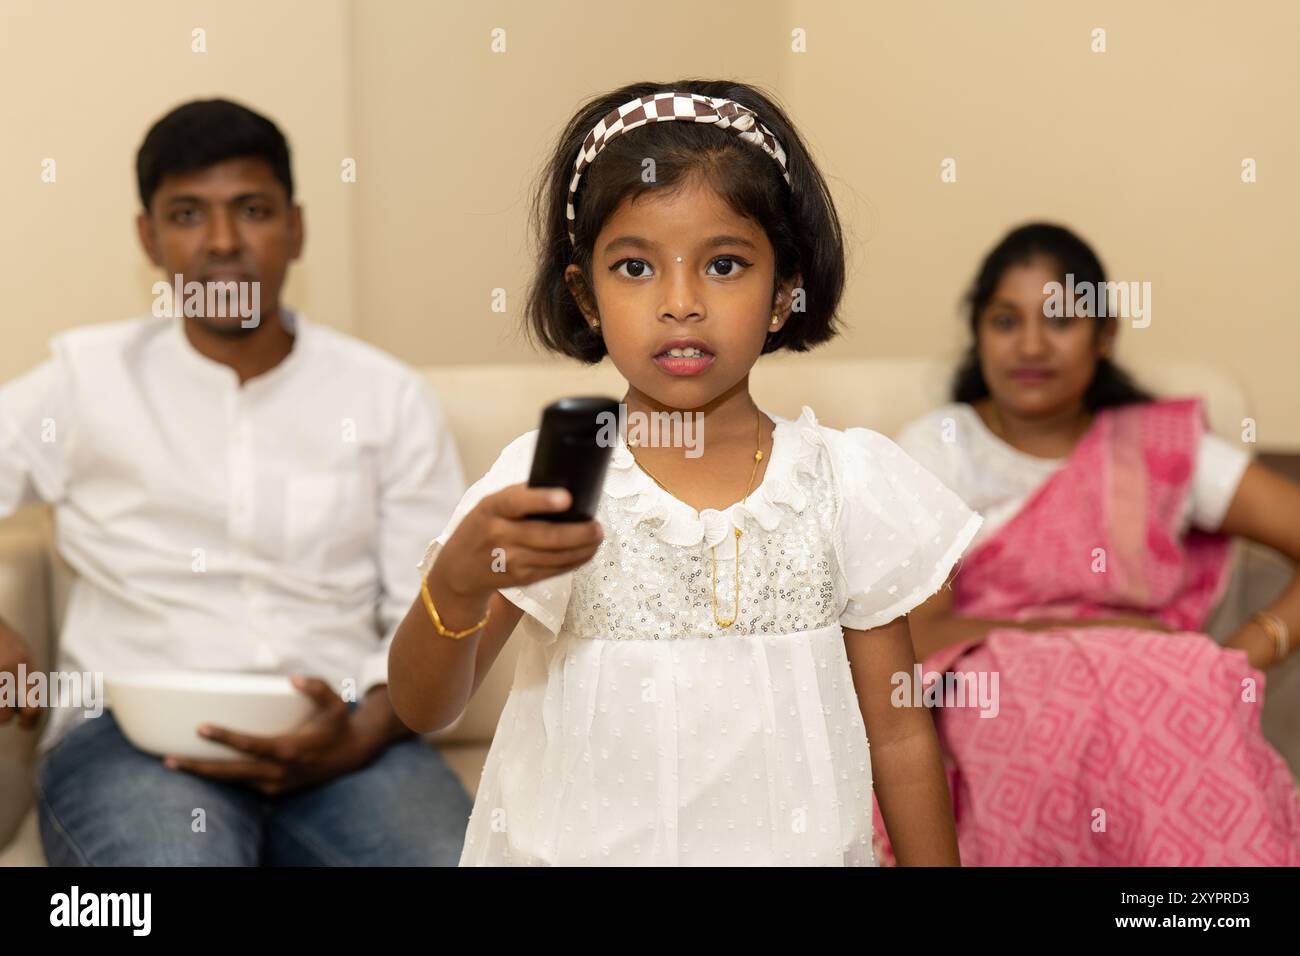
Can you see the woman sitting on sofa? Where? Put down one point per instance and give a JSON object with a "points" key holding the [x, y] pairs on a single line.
{"points": [[1123, 735]]}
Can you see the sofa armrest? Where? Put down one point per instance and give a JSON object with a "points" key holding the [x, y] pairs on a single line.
{"points": [[25, 581], [1259, 576], [24, 606]]}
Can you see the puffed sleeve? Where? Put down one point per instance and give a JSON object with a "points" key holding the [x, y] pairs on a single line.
{"points": [[543, 602], [900, 531]]}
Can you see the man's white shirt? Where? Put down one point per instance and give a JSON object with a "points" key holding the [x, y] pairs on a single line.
{"points": [[273, 527]]}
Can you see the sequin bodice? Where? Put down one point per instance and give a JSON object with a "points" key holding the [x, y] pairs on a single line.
{"points": [[653, 576]]}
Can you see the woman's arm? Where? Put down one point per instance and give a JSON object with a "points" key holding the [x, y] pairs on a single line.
{"points": [[906, 760], [1266, 510], [935, 626]]}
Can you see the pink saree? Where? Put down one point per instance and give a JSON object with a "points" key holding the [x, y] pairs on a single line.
{"points": [[1111, 745]]}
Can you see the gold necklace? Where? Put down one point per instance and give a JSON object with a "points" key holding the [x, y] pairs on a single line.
{"points": [[758, 456]]}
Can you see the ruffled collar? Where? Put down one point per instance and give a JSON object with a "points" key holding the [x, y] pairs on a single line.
{"points": [[796, 444]]}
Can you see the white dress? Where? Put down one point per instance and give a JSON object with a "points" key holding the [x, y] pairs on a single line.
{"points": [[638, 732]]}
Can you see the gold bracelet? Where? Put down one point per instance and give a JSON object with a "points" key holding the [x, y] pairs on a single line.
{"points": [[437, 621], [1275, 628]]}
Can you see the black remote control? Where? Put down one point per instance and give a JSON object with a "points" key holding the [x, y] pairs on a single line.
{"points": [[574, 445]]}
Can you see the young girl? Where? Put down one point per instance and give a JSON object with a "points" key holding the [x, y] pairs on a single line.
{"points": [[1107, 514], [706, 661]]}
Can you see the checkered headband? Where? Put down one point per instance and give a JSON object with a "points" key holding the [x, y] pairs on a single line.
{"points": [[661, 107]]}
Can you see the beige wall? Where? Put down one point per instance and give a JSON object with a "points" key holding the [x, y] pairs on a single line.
{"points": [[1139, 148], [83, 82], [451, 137]]}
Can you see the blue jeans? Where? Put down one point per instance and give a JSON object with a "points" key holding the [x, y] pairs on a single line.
{"points": [[102, 802]]}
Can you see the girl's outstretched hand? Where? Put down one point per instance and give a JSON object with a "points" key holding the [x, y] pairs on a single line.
{"points": [[495, 546]]}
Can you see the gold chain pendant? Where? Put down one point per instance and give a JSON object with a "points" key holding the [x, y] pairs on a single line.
{"points": [[758, 457], [736, 612]]}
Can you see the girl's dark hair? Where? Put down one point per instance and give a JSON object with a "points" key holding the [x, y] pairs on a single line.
{"points": [[1110, 384], [799, 219]]}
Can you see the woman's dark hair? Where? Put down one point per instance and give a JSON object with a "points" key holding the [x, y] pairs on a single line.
{"points": [[799, 219], [1110, 384], [203, 133]]}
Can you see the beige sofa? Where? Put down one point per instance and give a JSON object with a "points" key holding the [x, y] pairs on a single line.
{"points": [[489, 405]]}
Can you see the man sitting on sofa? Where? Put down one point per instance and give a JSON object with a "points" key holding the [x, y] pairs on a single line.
{"points": [[238, 490]]}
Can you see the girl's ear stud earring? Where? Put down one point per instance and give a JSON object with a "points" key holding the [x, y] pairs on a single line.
{"points": [[775, 318], [595, 323]]}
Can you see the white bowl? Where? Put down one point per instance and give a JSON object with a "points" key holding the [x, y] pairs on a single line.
{"points": [[160, 712]]}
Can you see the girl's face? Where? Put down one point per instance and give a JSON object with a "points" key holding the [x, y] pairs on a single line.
{"points": [[682, 269], [1035, 364]]}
